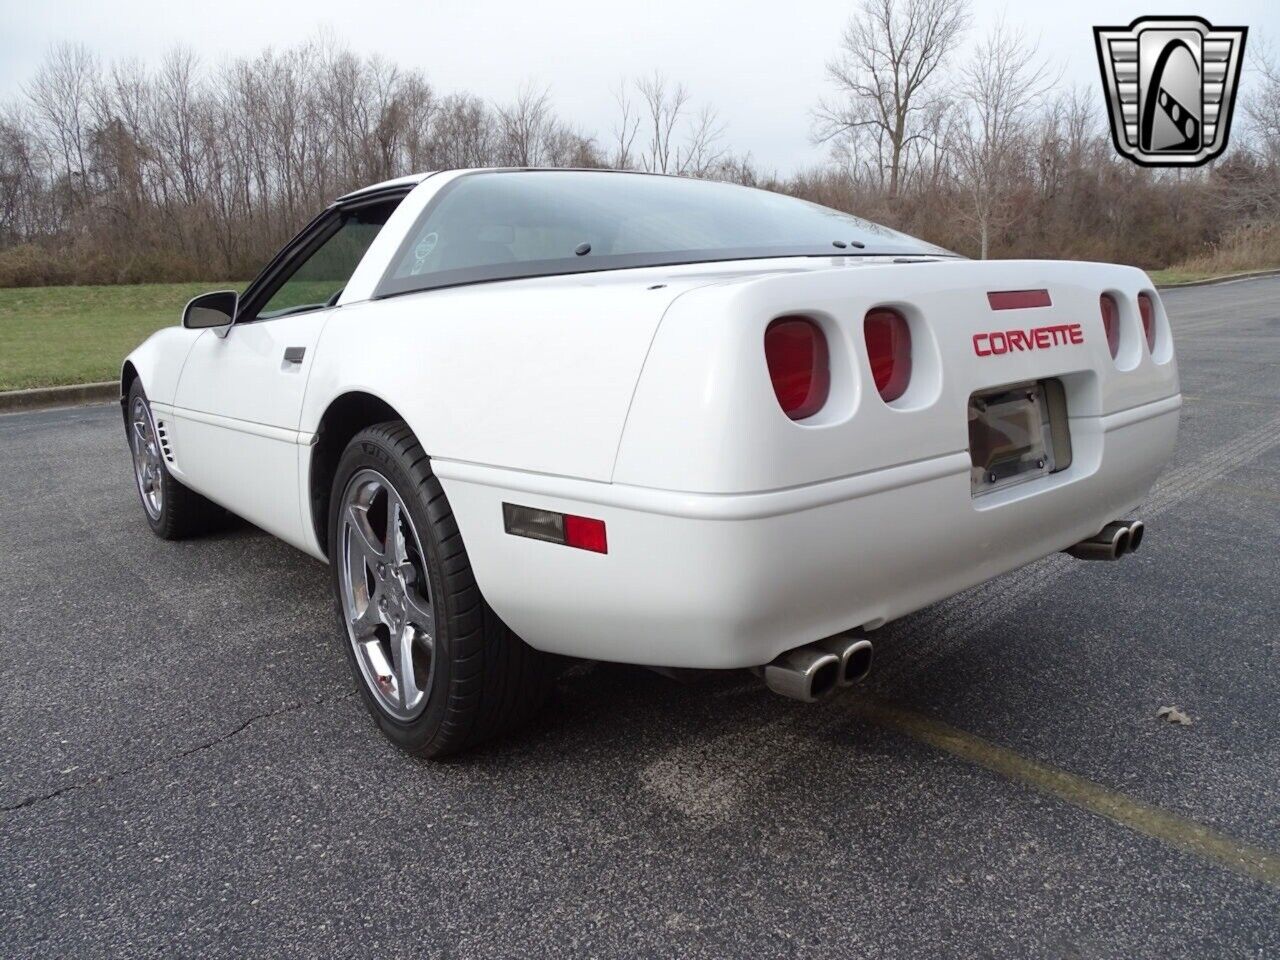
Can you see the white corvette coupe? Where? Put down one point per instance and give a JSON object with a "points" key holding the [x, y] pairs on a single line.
{"points": [[529, 413]]}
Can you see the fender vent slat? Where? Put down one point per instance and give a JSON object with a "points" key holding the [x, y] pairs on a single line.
{"points": [[162, 433]]}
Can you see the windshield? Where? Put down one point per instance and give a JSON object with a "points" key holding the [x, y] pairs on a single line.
{"points": [[501, 225]]}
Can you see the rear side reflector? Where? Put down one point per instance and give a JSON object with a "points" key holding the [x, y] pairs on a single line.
{"points": [[585, 533], [1148, 311], [795, 348], [1018, 299], [889, 349], [1111, 322]]}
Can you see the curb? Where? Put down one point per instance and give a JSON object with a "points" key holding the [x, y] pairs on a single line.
{"points": [[41, 397], [1213, 281]]}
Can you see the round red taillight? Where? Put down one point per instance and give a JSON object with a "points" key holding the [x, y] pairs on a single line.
{"points": [[1147, 308], [889, 349], [795, 349], [1111, 322]]}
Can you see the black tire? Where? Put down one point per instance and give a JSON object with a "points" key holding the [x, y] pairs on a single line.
{"points": [[485, 680], [182, 512]]}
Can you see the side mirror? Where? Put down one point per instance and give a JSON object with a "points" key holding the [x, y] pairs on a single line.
{"points": [[211, 310]]}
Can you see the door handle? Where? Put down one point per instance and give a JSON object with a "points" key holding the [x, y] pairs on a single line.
{"points": [[294, 354]]}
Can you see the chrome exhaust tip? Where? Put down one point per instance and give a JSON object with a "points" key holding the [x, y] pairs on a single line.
{"points": [[855, 656], [1121, 532], [806, 673], [1111, 544], [1136, 530]]}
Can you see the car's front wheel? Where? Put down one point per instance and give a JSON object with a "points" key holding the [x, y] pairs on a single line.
{"points": [[173, 511], [436, 667]]}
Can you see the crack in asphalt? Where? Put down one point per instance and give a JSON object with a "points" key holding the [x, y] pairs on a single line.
{"points": [[112, 776]]}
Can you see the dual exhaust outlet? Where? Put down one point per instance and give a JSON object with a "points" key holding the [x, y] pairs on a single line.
{"points": [[1115, 540], [816, 671]]}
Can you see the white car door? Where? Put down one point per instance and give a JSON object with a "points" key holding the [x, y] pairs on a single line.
{"points": [[239, 397]]}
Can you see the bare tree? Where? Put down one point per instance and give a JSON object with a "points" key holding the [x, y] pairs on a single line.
{"points": [[929, 154], [672, 141], [888, 77], [734, 168], [664, 105], [465, 133], [999, 88], [17, 176], [567, 147], [702, 150], [1262, 106], [526, 128], [1262, 112], [178, 93], [624, 132], [60, 95]]}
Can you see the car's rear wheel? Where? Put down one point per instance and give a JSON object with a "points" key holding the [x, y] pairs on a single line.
{"points": [[172, 510], [436, 667]]}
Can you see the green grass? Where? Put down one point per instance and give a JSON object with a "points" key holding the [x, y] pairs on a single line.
{"points": [[56, 335], [1176, 275], [1186, 275]]}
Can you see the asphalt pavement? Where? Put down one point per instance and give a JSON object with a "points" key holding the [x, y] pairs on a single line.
{"points": [[185, 770]]}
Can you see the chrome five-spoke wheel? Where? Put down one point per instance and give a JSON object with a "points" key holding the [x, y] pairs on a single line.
{"points": [[435, 665], [147, 468], [386, 596]]}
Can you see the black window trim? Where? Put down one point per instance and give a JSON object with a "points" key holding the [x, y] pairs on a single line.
{"points": [[307, 240]]}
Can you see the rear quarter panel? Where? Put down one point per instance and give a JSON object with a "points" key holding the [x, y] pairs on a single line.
{"points": [[535, 375]]}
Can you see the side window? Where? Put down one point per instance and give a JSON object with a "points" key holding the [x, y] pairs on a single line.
{"points": [[317, 280]]}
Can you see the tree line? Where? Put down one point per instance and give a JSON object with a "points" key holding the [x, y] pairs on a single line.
{"points": [[119, 172]]}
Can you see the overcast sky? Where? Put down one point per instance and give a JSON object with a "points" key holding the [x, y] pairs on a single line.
{"points": [[759, 62]]}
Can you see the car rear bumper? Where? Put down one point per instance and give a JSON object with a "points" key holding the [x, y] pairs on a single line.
{"points": [[732, 580]]}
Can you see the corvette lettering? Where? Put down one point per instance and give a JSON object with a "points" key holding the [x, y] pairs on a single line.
{"points": [[1035, 338]]}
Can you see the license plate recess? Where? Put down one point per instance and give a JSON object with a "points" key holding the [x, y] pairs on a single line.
{"points": [[1017, 433]]}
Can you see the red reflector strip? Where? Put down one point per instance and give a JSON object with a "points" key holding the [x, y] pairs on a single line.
{"points": [[1018, 299], [585, 533]]}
